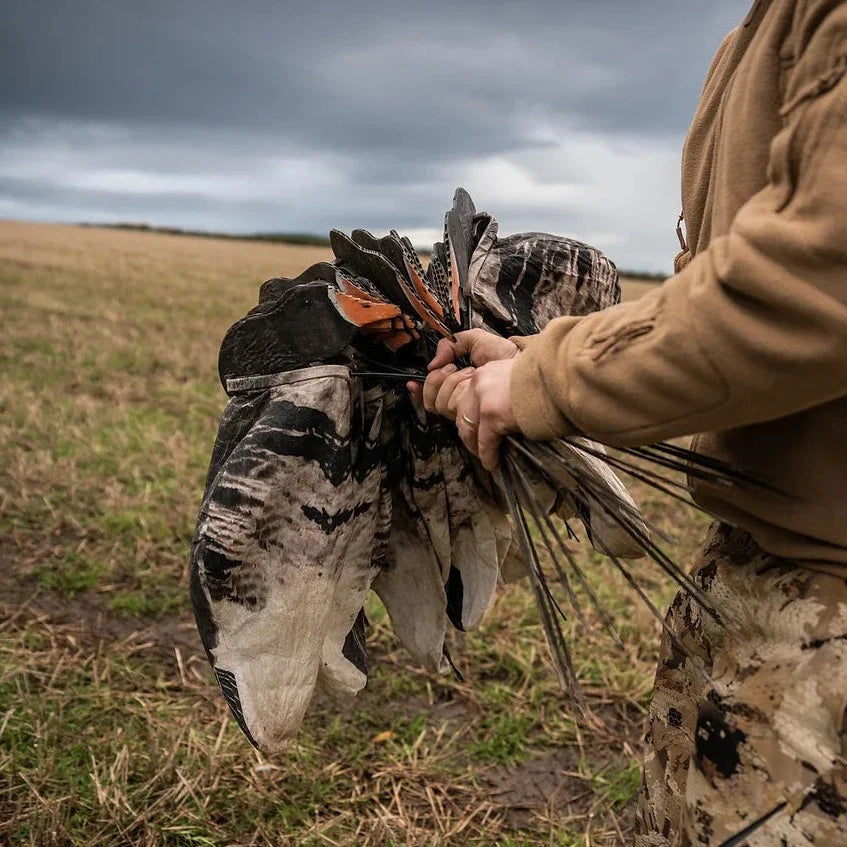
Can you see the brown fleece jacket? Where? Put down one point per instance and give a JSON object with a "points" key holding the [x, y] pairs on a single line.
{"points": [[748, 341]]}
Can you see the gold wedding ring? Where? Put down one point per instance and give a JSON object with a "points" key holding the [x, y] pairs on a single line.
{"points": [[469, 422]]}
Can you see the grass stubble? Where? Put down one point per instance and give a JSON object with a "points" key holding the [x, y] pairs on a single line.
{"points": [[111, 729]]}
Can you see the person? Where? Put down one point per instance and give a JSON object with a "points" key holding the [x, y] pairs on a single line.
{"points": [[746, 343]]}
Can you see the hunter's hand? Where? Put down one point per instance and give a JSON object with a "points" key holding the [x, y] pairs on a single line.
{"points": [[476, 398], [484, 410], [478, 345]]}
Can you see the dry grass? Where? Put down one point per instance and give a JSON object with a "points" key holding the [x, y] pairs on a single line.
{"points": [[111, 731]]}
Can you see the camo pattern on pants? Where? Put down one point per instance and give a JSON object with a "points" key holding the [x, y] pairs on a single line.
{"points": [[747, 729]]}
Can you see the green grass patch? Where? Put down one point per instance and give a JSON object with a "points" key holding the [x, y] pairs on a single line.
{"points": [[618, 786], [505, 738], [72, 574], [142, 603]]}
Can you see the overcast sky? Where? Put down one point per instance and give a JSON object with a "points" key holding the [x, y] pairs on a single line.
{"points": [[560, 116]]}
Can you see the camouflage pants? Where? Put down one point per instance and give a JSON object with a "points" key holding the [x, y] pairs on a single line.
{"points": [[748, 729]]}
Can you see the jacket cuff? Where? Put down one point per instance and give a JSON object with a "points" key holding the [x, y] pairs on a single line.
{"points": [[520, 341], [538, 417]]}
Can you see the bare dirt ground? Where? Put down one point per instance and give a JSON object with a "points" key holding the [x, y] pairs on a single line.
{"points": [[111, 729]]}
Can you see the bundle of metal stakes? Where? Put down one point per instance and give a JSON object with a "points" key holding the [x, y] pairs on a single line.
{"points": [[327, 481]]}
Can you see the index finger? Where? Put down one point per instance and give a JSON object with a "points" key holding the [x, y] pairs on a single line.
{"points": [[446, 352], [450, 349]]}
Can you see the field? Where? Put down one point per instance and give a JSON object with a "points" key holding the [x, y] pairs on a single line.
{"points": [[111, 728]]}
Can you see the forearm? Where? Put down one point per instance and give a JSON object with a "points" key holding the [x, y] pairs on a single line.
{"points": [[691, 356]]}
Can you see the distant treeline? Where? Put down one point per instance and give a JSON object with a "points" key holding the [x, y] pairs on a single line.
{"points": [[276, 237], [644, 276], [303, 238]]}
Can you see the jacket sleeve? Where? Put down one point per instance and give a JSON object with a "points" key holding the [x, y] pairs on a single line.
{"points": [[754, 328]]}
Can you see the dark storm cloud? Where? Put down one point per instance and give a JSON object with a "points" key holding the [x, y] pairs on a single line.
{"points": [[289, 115]]}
